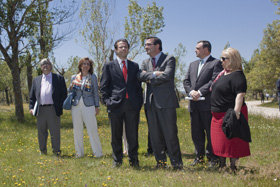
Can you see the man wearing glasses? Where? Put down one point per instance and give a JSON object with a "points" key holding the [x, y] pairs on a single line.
{"points": [[160, 103], [197, 84], [48, 91]]}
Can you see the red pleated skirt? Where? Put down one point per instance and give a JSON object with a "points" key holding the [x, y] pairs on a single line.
{"points": [[221, 145]]}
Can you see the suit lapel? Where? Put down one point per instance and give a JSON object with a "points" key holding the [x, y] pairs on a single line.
{"points": [[160, 60], [205, 65], [195, 69], [39, 80], [54, 80], [117, 69]]}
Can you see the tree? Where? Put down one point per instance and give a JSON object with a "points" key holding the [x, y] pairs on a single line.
{"points": [[141, 23], [265, 65], [179, 53], [16, 23], [73, 63], [5, 80], [95, 15]]}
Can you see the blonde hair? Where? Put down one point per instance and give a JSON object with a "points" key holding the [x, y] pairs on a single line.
{"points": [[235, 60]]}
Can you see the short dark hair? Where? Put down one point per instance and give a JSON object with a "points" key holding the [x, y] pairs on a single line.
{"points": [[156, 41], [206, 44], [121, 40]]}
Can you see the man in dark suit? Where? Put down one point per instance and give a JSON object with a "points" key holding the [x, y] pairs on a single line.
{"points": [[161, 102], [122, 94], [197, 83], [49, 91]]}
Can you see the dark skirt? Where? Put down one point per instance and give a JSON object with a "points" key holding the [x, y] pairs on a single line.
{"points": [[221, 145]]}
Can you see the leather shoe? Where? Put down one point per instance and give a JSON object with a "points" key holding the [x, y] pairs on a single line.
{"points": [[161, 165], [134, 164], [117, 164], [197, 161], [178, 167]]}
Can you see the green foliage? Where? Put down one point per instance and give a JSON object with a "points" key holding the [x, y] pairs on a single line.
{"points": [[73, 63], [21, 164], [265, 63], [181, 68], [95, 15], [5, 76], [141, 23]]}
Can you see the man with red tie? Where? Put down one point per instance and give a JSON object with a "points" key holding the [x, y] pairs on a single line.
{"points": [[122, 94]]}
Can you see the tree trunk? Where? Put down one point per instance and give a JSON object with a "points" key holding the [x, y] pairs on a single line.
{"points": [[17, 93], [7, 96], [29, 74]]}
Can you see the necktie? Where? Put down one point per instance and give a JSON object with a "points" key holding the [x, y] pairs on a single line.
{"points": [[200, 66], [124, 70], [154, 63]]}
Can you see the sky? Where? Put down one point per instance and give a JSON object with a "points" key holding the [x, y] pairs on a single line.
{"points": [[239, 22]]}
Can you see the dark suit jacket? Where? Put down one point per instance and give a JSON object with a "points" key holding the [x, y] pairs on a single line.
{"points": [[59, 92], [113, 86], [202, 82], [161, 87]]}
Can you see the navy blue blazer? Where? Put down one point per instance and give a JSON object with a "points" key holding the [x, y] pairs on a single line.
{"points": [[113, 87], [59, 93]]}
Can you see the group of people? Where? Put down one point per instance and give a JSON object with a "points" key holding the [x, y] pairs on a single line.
{"points": [[214, 86]]}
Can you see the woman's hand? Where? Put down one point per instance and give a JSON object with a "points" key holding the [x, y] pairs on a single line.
{"points": [[96, 110], [237, 114]]}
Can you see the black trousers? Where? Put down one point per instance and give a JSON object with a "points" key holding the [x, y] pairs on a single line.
{"points": [[200, 128], [149, 146], [127, 115], [164, 134]]}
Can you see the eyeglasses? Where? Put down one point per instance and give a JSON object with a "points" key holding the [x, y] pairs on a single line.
{"points": [[148, 44], [224, 58]]}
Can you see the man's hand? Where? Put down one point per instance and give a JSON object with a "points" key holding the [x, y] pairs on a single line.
{"points": [[158, 73], [195, 95], [31, 111]]}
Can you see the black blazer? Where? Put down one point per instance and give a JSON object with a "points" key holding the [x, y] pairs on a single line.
{"points": [[59, 93], [202, 82], [162, 87], [113, 87]]}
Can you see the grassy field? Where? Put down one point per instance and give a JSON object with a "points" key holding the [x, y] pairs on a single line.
{"points": [[22, 165], [270, 104]]}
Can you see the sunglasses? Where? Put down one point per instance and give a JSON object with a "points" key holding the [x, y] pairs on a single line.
{"points": [[224, 58]]}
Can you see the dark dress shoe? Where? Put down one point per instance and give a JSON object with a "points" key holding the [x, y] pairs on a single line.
{"points": [[197, 161], [57, 153], [134, 164], [178, 167], [43, 152], [117, 164], [213, 163], [161, 165]]}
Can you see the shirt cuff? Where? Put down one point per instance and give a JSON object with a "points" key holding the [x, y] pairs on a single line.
{"points": [[200, 93]]}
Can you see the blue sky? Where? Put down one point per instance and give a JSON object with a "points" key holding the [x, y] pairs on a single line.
{"points": [[239, 22]]}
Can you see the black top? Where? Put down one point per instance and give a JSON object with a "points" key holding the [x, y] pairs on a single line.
{"points": [[225, 90]]}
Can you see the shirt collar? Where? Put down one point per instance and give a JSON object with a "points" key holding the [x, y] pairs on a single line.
{"points": [[120, 61], [157, 56], [205, 58], [48, 76]]}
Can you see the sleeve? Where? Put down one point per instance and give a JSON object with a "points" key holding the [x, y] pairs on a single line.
{"points": [[32, 96], [168, 73], [105, 83], [63, 90], [145, 76], [239, 83], [187, 81]]}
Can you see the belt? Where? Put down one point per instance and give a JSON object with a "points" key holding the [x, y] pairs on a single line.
{"points": [[47, 105]]}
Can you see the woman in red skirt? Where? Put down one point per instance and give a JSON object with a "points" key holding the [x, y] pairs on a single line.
{"points": [[228, 91]]}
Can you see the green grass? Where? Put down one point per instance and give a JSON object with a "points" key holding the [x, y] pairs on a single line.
{"points": [[271, 104], [22, 165]]}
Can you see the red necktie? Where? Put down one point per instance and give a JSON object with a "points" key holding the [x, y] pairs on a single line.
{"points": [[154, 63], [124, 70]]}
